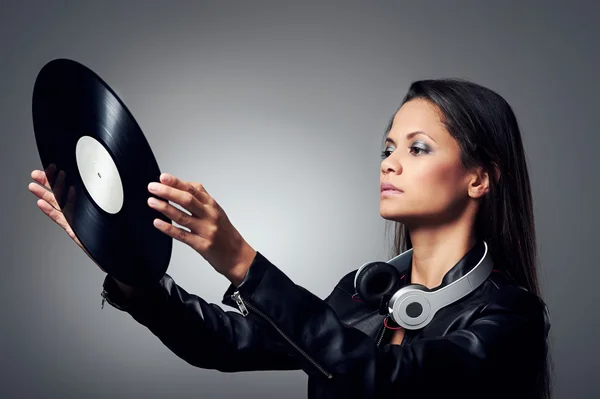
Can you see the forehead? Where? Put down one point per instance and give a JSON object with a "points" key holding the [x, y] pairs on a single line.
{"points": [[418, 115]]}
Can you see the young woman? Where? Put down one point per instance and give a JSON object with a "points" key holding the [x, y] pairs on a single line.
{"points": [[454, 180]]}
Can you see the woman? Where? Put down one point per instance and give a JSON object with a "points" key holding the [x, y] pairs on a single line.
{"points": [[455, 160]]}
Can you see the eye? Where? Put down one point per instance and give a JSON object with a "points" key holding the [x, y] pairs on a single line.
{"points": [[413, 149], [419, 150], [386, 153]]}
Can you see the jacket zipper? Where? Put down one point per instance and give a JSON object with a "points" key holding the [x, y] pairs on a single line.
{"points": [[103, 294], [382, 333], [243, 305]]}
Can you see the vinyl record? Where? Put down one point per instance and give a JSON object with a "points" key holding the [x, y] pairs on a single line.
{"points": [[99, 165]]}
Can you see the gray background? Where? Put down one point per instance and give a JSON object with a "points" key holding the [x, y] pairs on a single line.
{"points": [[279, 110]]}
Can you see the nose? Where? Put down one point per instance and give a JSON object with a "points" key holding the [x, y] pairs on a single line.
{"points": [[391, 165]]}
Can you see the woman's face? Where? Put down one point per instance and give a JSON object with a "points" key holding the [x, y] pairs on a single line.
{"points": [[425, 166]]}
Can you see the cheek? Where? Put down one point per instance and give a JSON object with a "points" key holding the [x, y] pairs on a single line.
{"points": [[438, 187], [432, 176], [432, 188]]}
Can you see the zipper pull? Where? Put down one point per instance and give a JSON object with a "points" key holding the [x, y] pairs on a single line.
{"points": [[103, 295], [383, 330], [238, 299]]}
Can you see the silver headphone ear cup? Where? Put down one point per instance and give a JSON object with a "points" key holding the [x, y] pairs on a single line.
{"points": [[410, 307]]}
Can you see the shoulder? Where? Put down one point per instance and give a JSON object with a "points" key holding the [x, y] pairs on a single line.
{"points": [[511, 317], [503, 293], [512, 327]]}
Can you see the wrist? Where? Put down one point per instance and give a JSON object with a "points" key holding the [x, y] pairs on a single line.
{"points": [[237, 273]]}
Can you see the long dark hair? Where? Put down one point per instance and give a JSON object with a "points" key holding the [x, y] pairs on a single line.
{"points": [[487, 132]]}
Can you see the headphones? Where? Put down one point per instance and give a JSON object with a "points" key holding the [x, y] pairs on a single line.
{"points": [[414, 305]]}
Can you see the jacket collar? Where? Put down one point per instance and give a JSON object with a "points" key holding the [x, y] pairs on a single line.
{"points": [[462, 267]]}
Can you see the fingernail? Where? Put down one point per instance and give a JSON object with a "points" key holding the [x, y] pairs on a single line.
{"points": [[153, 186], [158, 222], [152, 201], [166, 178]]}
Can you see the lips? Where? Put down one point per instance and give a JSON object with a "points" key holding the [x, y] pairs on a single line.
{"points": [[389, 187]]}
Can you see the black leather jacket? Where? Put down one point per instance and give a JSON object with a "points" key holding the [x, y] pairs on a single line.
{"points": [[490, 344]]}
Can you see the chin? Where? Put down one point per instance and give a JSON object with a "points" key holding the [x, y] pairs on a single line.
{"points": [[397, 213], [399, 218], [387, 206], [389, 214]]}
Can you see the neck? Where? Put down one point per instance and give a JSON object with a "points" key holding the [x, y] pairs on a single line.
{"points": [[437, 249]]}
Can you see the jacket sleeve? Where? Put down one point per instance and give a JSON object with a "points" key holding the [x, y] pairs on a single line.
{"points": [[201, 333], [502, 342]]}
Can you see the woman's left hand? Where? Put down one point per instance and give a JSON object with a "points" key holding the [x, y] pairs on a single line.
{"points": [[211, 233]]}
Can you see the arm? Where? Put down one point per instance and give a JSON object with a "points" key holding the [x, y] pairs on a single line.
{"points": [[200, 333], [501, 346]]}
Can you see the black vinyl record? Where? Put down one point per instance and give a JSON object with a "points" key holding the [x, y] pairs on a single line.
{"points": [[99, 165]]}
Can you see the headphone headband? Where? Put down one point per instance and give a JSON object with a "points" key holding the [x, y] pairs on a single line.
{"points": [[413, 306]]}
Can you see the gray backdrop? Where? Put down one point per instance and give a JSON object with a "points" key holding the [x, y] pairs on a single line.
{"points": [[279, 111]]}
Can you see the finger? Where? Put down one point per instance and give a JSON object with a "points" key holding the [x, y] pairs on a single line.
{"points": [[177, 215], [50, 172], [196, 189], [184, 198], [43, 194], [59, 186], [71, 234], [40, 177], [59, 218], [70, 198], [53, 214], [195, 241]]}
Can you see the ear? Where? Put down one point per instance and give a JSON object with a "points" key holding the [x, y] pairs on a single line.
{"points": [[479, 183]]}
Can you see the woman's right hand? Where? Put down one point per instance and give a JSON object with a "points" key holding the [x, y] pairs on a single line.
{"points": [[49, 205]]}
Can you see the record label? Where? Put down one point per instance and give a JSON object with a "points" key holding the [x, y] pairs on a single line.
{"points": [[99, 174]]}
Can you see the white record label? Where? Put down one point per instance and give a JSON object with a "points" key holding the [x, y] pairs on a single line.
{"points": [[99, 174]]}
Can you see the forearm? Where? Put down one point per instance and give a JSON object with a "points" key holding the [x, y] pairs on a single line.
{"points": [[198, 332]]}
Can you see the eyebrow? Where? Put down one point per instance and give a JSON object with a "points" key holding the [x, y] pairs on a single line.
{"points": [[410, 136]]}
